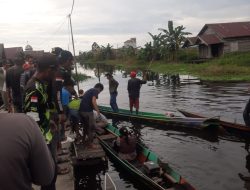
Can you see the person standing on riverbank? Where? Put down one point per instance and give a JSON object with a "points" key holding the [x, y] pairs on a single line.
{"points": [[36, 104], [13, 75], [65, 61], [87, 105], [113, 85], [3, 70], [134, 87]]}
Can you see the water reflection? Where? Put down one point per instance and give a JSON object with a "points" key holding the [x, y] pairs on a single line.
{"points": [[246, 177], [207, 160]]}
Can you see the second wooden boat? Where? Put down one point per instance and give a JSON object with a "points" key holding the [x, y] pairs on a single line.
{"points": [[147, 168], [230, 126], [161, 119]]}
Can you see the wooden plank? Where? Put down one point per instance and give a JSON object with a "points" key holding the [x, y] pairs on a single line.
{"points": [[83, 153], [108, 136]]}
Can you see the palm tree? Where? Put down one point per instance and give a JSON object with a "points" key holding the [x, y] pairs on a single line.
{"points": [[157, 45], [173, 38]]}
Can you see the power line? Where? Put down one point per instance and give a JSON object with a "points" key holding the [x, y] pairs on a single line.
{"points": [[72, 7], [73, 43], [55, 31]]}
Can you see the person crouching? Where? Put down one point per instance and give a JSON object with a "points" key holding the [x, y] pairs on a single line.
{"points": [[125, 144]]}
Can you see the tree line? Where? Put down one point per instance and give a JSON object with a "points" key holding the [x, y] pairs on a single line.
{"points": [[164, 46]]}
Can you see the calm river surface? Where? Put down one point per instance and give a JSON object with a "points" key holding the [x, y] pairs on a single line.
{"points": [[206, 164]]}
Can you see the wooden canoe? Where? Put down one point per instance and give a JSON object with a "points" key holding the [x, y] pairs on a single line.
{"points": [[163, 177], [233, 127], [161, 119]]}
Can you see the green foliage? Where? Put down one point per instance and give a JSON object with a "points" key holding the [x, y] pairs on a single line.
{"points": [[86, 56], [236, 58], [80, 77], [172, 39], [187, 55], [146, 54]]}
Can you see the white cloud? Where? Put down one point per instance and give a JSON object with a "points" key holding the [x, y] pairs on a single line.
{"points": [[43, 23]]}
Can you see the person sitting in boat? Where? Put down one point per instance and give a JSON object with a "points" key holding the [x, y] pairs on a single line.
{"points": [[125, 144]]}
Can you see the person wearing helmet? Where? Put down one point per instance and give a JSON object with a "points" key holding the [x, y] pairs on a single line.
{"points": [[134, 86], [125, 144]]}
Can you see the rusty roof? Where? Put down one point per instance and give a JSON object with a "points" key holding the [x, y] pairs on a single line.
{"points": [[209, 39], [229, 30], [190, 41], [11, 53], [34, 54]]}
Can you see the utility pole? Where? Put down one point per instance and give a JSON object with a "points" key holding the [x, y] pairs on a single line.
{"points": [[73, 45]]}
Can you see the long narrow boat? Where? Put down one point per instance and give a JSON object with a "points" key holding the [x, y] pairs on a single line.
{"points": [[147, 168], [161, 119], [233, 127]]}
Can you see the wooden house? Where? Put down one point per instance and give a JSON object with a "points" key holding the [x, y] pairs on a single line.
{"points": [[12, 52], [217, 39]]}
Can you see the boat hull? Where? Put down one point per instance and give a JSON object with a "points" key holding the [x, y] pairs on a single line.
{"points": [[160, 119], [229, 126], [144, 154]]}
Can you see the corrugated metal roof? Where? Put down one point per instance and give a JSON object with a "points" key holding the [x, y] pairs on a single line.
{"points": [[190, 41], [229, 30], [11, 53], [35, 54], [210, 39]]}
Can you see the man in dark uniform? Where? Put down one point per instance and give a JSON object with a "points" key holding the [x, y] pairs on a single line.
{"points": [[36, 102], [63, 74]]}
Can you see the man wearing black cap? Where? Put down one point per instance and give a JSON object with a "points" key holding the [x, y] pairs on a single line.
{"points": [[36, 102], [113, 85]]}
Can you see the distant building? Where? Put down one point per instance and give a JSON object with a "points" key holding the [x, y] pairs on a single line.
{"points": [[28, 48], [217, 39], [131, 42], [29, 51], [34, 54], [12, 52]]}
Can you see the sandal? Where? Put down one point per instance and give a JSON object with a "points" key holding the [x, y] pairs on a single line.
{"points": [[63, 171]]}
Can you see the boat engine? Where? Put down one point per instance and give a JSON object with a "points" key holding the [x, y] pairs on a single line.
{"points": [[151, 169]]}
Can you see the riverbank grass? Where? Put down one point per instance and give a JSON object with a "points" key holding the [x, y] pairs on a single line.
{"points": [[230, 67]]}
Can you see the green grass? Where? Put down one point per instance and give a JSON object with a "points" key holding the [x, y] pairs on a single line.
{"points": [[231, 67]]}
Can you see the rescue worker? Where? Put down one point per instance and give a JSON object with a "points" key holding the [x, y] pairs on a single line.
{"points": [[36, 103]]}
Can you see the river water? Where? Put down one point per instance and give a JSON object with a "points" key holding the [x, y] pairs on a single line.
{"points": [[208, 163]]}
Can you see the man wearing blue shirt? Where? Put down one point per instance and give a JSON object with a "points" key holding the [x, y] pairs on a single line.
{"points": [[88, 104]]}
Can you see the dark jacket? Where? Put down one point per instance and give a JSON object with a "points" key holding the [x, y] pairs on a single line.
{"points": [[134, 86], [55, 88]]}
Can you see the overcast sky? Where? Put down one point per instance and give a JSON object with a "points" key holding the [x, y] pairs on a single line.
{"points": [[44, 23]]}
